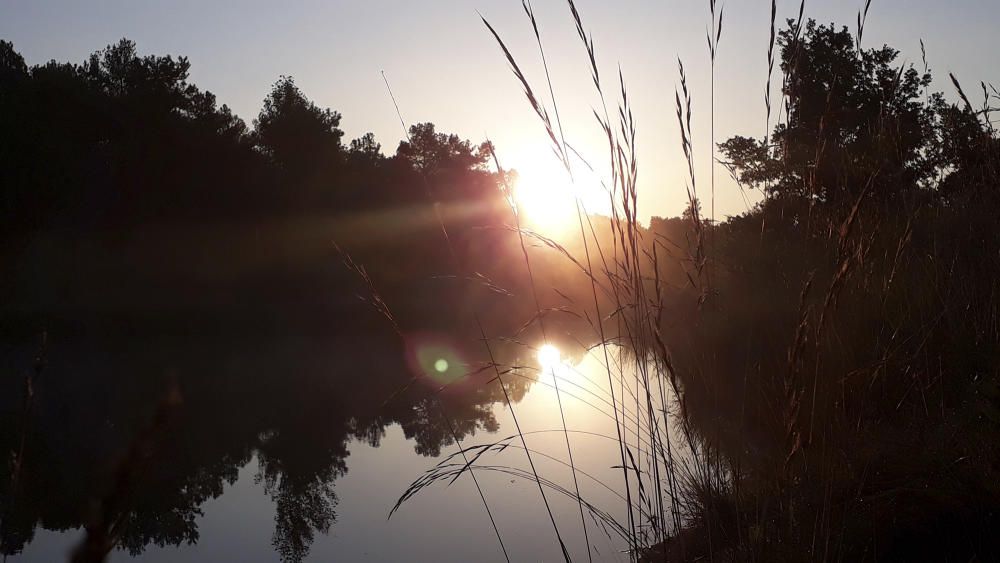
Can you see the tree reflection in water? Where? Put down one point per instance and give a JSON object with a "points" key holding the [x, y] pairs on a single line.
{"points": [[293, 398]]}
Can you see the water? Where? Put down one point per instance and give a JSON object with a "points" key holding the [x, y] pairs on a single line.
{"points": [[295, 445]]}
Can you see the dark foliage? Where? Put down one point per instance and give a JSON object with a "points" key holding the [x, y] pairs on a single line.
{"points": [[847, 363]]}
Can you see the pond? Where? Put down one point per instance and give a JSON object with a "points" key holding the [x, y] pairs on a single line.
{"points": [[270, 441]]}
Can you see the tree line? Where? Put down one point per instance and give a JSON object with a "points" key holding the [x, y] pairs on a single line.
{"points": [[122, 139]]}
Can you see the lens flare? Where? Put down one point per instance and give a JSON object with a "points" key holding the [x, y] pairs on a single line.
{"points": [[435, 359]]}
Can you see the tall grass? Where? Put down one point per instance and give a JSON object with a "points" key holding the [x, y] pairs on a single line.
{"points": [[763, 455], [646, 448]]}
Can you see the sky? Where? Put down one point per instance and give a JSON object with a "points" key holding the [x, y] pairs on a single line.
{"points": [[445, 67]]}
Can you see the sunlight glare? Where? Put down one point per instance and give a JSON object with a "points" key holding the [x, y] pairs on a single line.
{"points": [[547, 197], [549, 357], [546, 201]]}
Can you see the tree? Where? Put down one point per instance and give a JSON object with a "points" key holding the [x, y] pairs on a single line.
{"points": [[431, 152], [853, 118], [12, 64], [298, 136], [154, 83], [366, 150]]}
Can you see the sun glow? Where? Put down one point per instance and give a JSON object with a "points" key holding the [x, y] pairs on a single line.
{"points": [[547, 197], [549, 357], [546, 202]]}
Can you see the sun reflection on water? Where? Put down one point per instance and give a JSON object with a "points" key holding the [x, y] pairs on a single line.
{"points": [[553, 367], [549, 357]]}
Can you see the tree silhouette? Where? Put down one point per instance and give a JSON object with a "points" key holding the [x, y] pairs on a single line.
{"points": [[852, 116], [432, 152], [299, 136], [366, 151]]}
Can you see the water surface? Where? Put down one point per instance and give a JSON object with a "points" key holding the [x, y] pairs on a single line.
{"points": [[293, 442]]}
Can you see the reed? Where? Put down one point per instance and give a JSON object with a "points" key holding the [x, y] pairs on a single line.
{"points": [[748, 428]]}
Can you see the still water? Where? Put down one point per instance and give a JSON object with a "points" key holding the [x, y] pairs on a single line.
{"points": [[294, 445]]}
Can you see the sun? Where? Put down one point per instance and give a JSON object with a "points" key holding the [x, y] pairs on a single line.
{"points": [[548, 197], [546, 202]]}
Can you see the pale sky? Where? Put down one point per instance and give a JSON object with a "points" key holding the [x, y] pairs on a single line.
{"points": [[445, 67]]}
